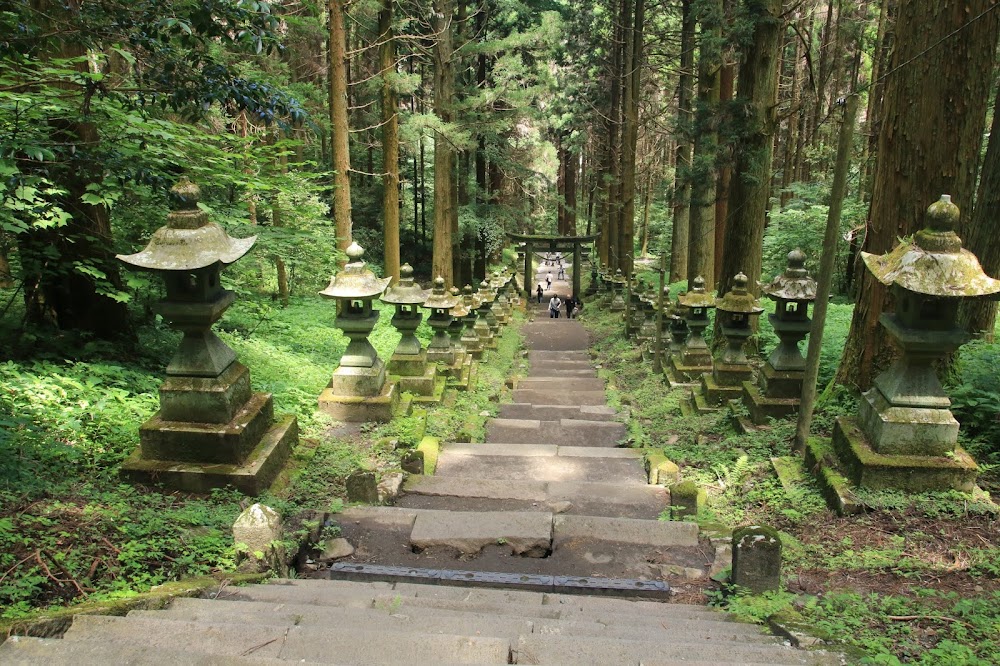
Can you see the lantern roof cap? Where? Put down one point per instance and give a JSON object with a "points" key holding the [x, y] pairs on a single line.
{"points": [[470, 297], [355, 280], [406, 292], [439, 298], [188, 241], [696, 296], [933, 262], [795, 284], [738, 298]]}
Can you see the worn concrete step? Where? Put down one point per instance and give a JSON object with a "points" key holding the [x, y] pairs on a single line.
{"points": [[539, 450], [386, 617], [526, 533], [558, 398], [598, 499], [398, 616], [25, 650], [520, 410], [550, 373], [569, 432], [541, 468], [565, 384], [293, 643], [561, 365], [656, 533], [548, 649], [548, 355]]}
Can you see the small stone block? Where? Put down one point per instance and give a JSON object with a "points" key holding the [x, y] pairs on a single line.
{"points": [[429, 448], [204, 399], [419, 385], [413, 462], [362, 487], [361, 409], [686, 499], [757, 559]]}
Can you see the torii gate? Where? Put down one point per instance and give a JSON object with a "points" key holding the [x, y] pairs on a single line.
{"points": [[533, 243]]}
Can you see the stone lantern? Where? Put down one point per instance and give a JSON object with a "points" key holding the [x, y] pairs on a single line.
{"points": [[694, 358], [211, 429], [594, 285], [781, 380], [483, 328], [499, 307], [440, 304], [408, 365], [736, 312], [358, 390], [470, 338], [905, 436], [618, 283], [634, 310], [461, 370], [646, 333]]}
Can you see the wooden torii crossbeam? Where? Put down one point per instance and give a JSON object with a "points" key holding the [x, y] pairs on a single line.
{"points": [[545, 243]]}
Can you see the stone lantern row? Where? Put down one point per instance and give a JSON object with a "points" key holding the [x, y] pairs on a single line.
{"points": [[211, 430], [904, 436]]}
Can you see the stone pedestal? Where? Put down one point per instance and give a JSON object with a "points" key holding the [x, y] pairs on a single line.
{"points": [[757, 559]]}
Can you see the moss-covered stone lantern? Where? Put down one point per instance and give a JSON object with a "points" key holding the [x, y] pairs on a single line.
{"points": [[211, 429], [470, 337], [460, 371], [736, 312], [646, 333], [781, 380], [634, 311], [694, 358], [358, 390], [618, 283], [483, 329], [408, 366], [440, 303], [499, 307], [905, 436]]}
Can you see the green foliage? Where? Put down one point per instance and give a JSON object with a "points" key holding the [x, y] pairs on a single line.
{"points": [[974, 389]]}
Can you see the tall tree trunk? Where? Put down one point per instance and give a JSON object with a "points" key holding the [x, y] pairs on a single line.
{"points": [[926, 148], [630, 133], [727, 77], [572, 165], [757, 102], [340, 126], [390, 141], [979, 231], [444, 153], [682, 175], [788, 153], [701, 247]]}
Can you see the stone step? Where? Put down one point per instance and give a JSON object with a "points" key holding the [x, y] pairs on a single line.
{"points": [[292, 643], [536, 356], [518, 410], [570, 432], [539, 450], [556, 367], [557, 398], [27, 650], [578, 373], [656, 533], [397, 616], [568, 384], [541, 467], [386, 617], [598, 499], [548, 649], [525, 533]]}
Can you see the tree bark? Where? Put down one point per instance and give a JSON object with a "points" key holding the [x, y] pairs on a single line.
{"points": [[630, 134], [390, 142], [443, 264], [682, 176], [340, 127], [931, 130]]}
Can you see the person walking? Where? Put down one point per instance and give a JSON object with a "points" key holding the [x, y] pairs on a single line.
{"points": [[548, 281], [570, 307], [539, 292], [554, 304]]}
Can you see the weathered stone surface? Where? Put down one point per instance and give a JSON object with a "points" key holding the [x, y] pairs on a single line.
{"points": [[362, 487], [757, 559], [257, 532], [626, 530], [388, 488], [525, 533], [205, 399], [359, 408], [686, 499], [412, 462], [336, 549]]}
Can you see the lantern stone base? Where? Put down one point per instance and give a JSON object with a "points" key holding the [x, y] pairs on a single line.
{"points": [[418, 385], [694, 404], [252, 475], [206, 399], [466, 378], [408, 365], [436, 393], [906, 430], [913, 473], [688, 369], [762, 407], [724, 383], [777, 383], [352, 380], [361, 409]]}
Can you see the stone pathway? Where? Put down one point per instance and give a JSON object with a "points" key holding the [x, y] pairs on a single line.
{"points": [[548, 504]]}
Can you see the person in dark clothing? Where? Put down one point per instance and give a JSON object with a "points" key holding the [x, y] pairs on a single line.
{"points": [[539, 292], [570, 307]]}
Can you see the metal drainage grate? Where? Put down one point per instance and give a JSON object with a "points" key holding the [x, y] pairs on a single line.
{"points": [[614, 587]]}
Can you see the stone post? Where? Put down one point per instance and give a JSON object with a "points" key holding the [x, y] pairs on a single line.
{"points": [[757, 559]]}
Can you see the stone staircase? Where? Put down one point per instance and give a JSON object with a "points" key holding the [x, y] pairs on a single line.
{"points": [[549, 509], [340, 622]]}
